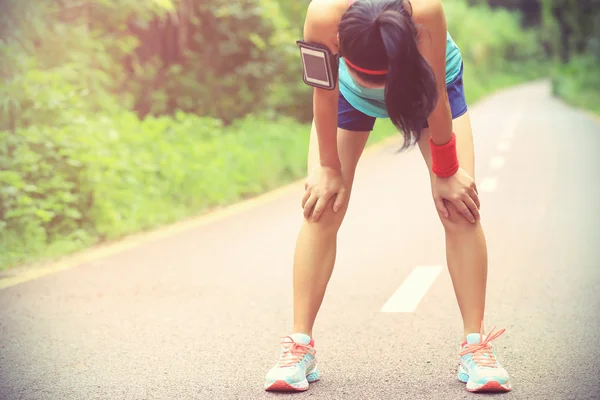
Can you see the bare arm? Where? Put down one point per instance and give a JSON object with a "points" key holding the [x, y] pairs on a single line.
{"points": [[321, 27], [458, 189], [433, 47]]}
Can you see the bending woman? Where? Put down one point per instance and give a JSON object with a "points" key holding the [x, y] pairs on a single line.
{"points": [[397, 61]]}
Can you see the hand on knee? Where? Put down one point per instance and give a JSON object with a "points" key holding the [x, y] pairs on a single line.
{"points": [[456, 222], [330, 220], [326, 197]]}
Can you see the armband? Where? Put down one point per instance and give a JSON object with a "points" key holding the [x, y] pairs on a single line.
{"points": [[320, 65]]}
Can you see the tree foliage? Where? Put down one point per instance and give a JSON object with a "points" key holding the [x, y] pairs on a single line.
{"points": [[120, 115], [567, 27], [218, 58]]}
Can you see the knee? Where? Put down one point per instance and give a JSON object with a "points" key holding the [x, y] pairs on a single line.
{"points": [[330, 221], [456, 223]]}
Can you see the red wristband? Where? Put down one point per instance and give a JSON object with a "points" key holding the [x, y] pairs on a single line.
{"points": [[444, 158]]}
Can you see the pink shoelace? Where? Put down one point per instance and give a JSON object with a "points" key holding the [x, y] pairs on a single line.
{"points": [[293, 352], [482, 352]]}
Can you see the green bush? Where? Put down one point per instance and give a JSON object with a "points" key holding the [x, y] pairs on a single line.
{"points": [[578, 82], [214, 58], [503, 53], [103, 177], [77, 164]]}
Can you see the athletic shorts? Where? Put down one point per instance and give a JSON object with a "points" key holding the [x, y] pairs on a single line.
{"points": [[351, 119]]}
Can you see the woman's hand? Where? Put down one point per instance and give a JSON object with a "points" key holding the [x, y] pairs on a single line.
{"points": [[460, 191], [321, 185]]}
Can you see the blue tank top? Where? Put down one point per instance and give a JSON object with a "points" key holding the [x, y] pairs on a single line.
{"points": [[372, 101]]}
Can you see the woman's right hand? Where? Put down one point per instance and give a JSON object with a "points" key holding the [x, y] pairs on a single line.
{"points": [[323, 184]]}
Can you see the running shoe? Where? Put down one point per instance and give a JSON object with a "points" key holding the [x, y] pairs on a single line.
{"points": [[297, 365], [478, 367]]}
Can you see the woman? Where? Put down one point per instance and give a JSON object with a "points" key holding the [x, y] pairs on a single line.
{"points": [[397, 61]]}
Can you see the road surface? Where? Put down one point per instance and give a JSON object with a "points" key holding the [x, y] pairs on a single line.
{"points": [[198, 314]]}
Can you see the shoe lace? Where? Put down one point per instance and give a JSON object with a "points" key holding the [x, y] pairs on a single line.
{"points": [[293, 352], [482, 352]]}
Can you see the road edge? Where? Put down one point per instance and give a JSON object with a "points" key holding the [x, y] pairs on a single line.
{"points": [[28, 272]]}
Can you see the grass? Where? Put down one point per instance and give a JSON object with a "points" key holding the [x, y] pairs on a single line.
{"points": [[157, 172], [578, 83]]}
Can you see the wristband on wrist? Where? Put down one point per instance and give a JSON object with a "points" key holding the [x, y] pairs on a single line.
{"points": [[444, 158]]}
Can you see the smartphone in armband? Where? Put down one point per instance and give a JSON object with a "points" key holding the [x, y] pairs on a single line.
{"points": [[320, 65]]}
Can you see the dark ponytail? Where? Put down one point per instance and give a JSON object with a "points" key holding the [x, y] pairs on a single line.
{"points": [[379, 35]]}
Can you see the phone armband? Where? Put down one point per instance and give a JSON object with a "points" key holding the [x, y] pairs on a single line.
{"points": [[320, 65]]}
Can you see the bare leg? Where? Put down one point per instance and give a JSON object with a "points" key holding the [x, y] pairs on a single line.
{"points": [[466, 251], [315, 253]]}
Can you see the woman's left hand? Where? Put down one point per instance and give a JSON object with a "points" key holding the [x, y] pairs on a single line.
{"points": [[460, 190]]}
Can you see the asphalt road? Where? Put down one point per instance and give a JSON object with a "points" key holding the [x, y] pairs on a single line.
{"points": [[198, 314]]}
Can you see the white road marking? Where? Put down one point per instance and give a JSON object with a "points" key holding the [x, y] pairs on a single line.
{"points": [[415, 286], [504, 145], [497, 162], [488, 185], [511, 126]]}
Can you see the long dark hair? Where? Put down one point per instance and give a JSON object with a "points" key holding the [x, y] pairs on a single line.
{"points": [[381, 35]]}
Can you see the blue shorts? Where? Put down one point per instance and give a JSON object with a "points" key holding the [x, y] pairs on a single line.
{"points": [[350, 119]]}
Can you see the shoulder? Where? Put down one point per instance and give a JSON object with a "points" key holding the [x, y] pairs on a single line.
{"points": [[428, 12], [430, 19], [322, 21]]}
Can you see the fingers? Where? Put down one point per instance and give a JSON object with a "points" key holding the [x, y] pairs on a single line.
{"points": [[473, 208], [463, 209], [314, 203], [306, 196], [475, 196], [468, 206], [320, 206], [309, 204], [314, 206], [340, 198], [441, 207]]}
